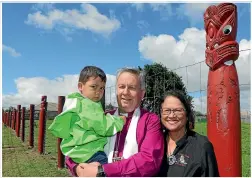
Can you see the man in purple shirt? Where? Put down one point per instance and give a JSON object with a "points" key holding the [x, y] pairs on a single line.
{"points": [[139, 148]]}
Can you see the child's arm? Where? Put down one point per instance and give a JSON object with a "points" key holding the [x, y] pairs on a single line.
{"points": [[92, 117], [62, 123], [103, 125]]}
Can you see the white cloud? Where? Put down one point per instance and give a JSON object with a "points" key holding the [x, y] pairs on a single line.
{"points": [[30, 90], [165, 9], [143, 24], [193, 11], [139, 6], [190, 11], [42, 6], [127, 13], [11, 51], [190, 49], [199, 104], [161, 6], [87, 18]]}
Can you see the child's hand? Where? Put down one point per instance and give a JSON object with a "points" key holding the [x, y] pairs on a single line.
{"points": [[124, 118]]}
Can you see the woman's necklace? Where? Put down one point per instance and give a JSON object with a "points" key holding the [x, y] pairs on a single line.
{"points": [[171, 157]]}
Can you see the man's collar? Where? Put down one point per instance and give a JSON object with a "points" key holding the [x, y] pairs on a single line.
{"points": [[129, 114]]}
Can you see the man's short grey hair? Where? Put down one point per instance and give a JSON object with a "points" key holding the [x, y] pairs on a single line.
{"points": [[135, 71]]}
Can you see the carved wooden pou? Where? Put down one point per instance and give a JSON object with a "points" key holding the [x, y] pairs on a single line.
{"points": [[223, 95]]}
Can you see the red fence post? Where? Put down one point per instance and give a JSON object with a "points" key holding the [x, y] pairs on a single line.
{"points": [[3, 116], [10, 119], [61, 157], [42, 124], [18, 120], [23, 124], [14, 119], [31, 135], [6, 118]]}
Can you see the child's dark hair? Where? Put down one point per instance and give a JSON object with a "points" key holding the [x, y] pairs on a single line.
{"points": [[91, 71], [187, 105]]}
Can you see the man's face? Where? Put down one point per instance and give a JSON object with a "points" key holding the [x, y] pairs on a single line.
{"points": [[129, 92], [92, 89]]}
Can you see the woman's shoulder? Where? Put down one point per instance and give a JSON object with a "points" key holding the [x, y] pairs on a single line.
{"points": [[198, 139]]}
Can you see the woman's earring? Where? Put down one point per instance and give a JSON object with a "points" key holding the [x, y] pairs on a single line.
{"points": [[163, 128]]}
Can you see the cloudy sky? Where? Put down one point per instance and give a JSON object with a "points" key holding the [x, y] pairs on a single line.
{"points": [[46, 45]]}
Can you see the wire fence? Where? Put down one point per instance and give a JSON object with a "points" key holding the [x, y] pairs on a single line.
{"points": [[195, 77]]}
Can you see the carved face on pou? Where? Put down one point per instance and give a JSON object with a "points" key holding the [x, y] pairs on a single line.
{"points": [[221, 29]]}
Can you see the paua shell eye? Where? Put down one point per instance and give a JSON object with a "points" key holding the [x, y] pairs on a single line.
{"points": [[227, 29]]}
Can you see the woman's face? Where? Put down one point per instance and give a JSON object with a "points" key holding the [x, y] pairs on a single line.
{"points": [[173, 115]]}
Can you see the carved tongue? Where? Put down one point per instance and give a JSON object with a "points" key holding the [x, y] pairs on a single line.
{"points": [[216, 46], [229, 63]]}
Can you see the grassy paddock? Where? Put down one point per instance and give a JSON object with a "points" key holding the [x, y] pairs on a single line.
{"points": [[245, 135], [20, 161]]}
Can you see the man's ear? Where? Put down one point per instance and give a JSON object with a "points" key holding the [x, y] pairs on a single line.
{"points": [[80, 86], [142, 94]]}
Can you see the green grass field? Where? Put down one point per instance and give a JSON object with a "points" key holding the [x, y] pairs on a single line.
{"points": [[20, 161]]}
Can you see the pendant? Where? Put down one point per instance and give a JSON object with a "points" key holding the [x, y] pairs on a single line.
{"points": [[171, 159]]}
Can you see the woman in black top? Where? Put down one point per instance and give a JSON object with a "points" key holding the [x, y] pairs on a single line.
{"points": [[187, 153]]}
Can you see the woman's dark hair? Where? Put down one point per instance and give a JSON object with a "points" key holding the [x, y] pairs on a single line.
{"points": [[91, 71], [183, 99]]}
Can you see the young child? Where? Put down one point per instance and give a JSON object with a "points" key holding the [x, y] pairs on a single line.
{"points": [[82, 125]]}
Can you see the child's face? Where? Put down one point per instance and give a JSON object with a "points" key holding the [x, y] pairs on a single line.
{"points": [[93, 88]]}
